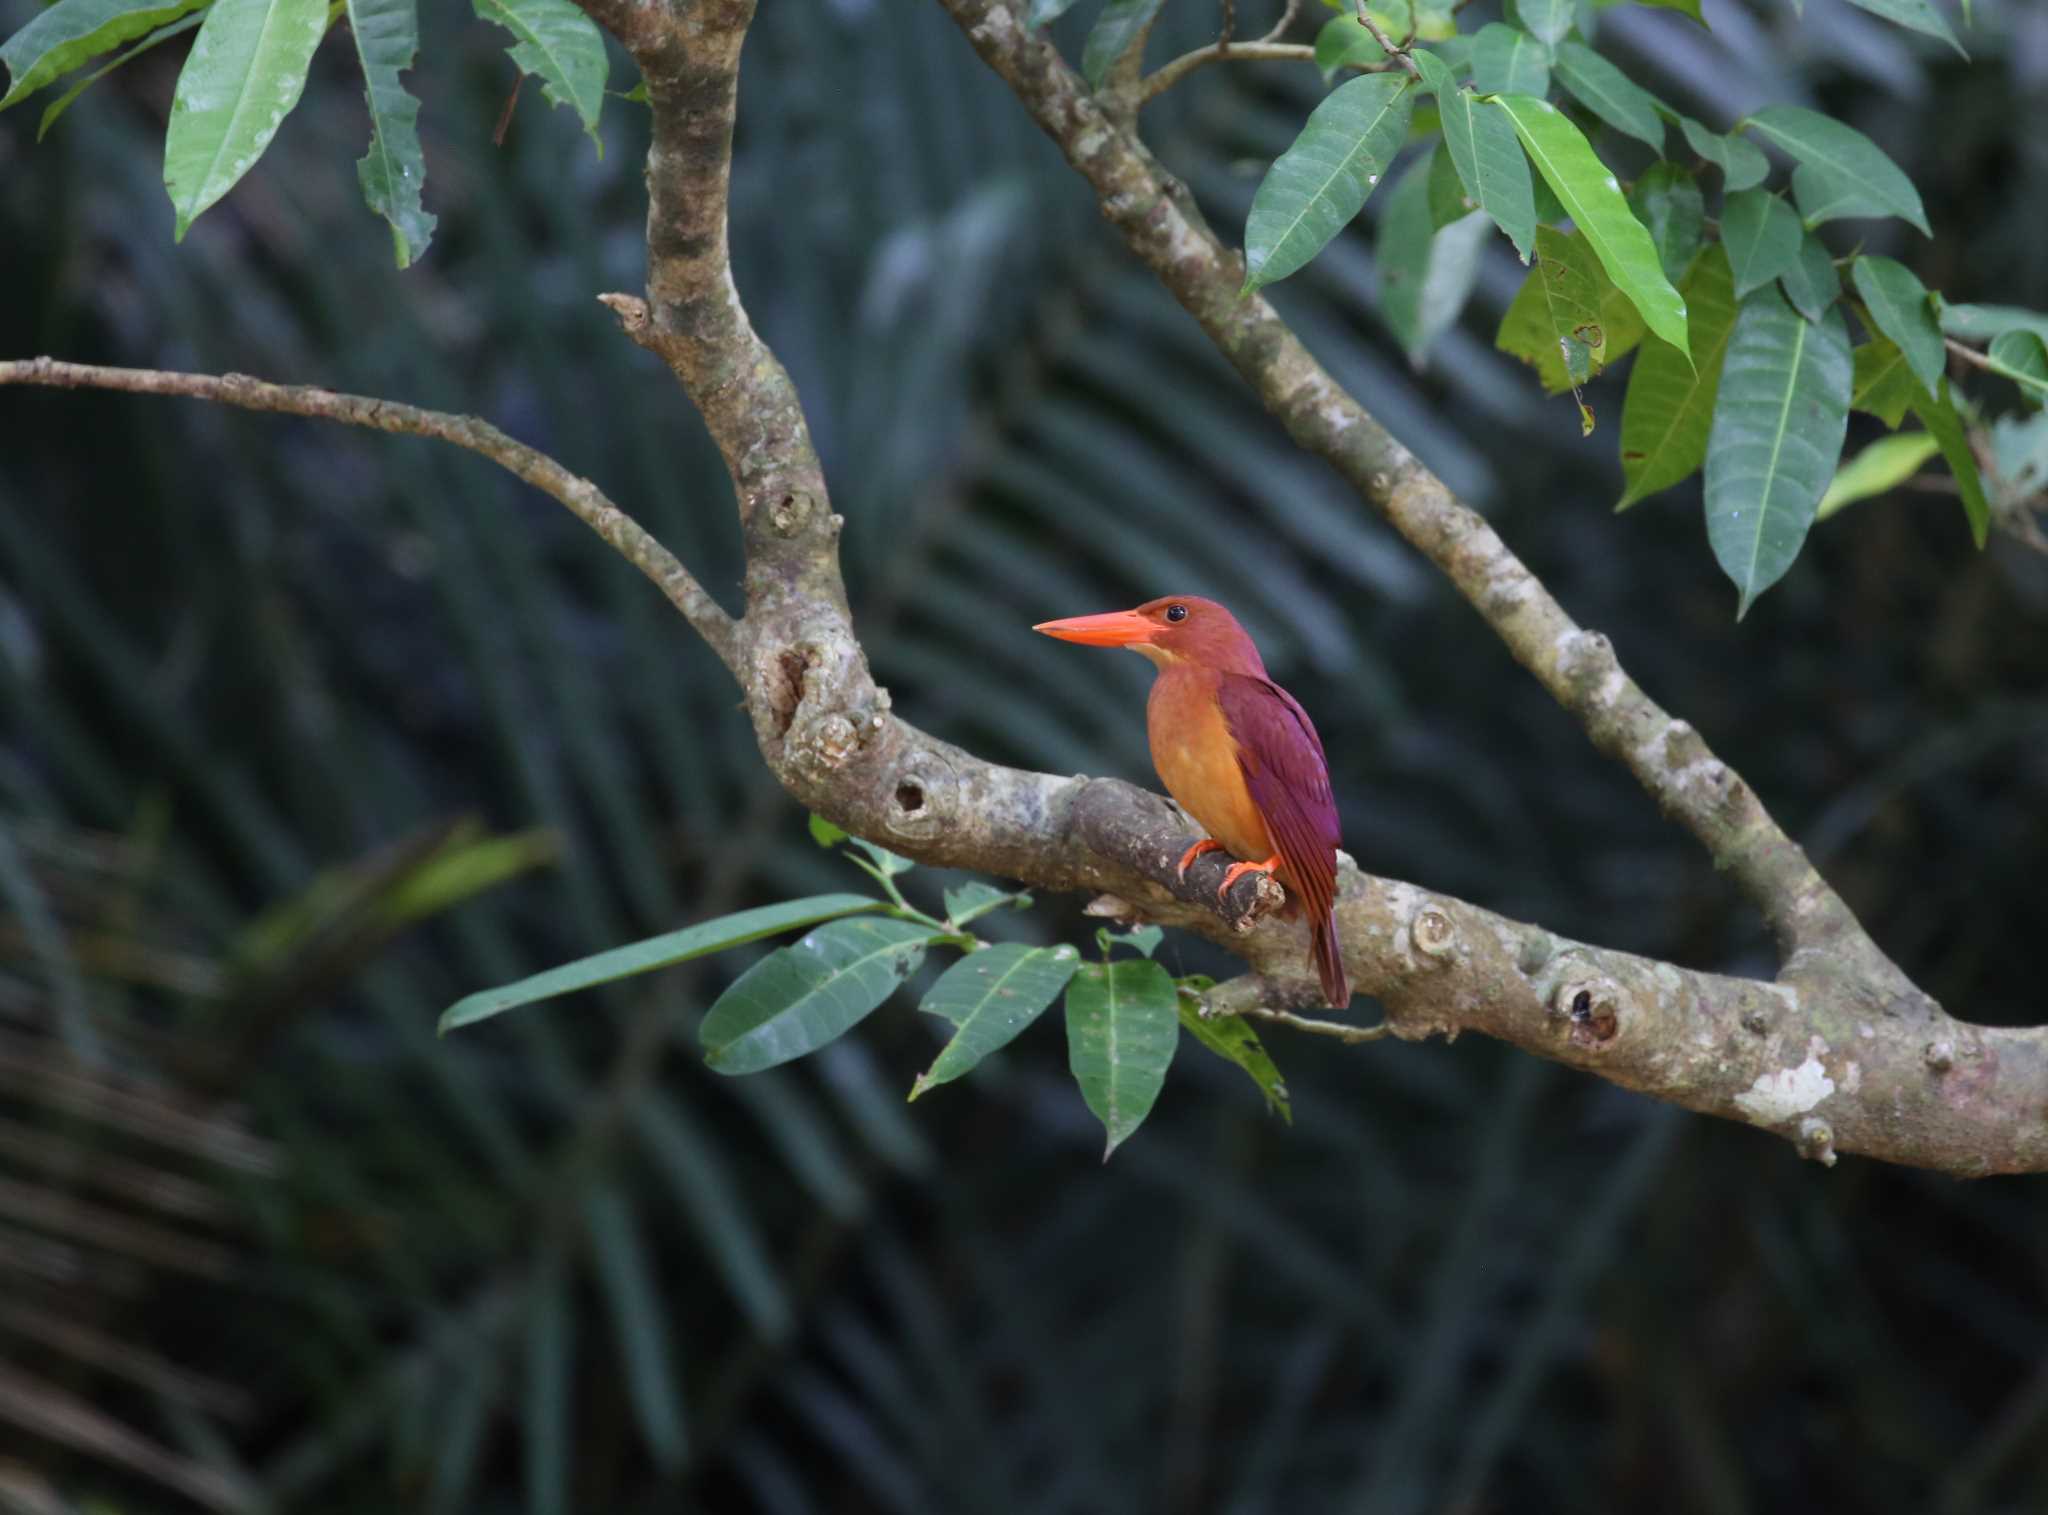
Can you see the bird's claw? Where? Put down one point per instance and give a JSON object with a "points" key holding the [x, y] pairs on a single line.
{"points": [[1206, 844], [1236, 870]]}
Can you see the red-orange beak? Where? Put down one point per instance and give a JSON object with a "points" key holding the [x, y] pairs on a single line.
{"points": [[1118, 628]]}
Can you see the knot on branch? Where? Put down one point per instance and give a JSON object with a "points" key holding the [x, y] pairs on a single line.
{"points": [[1815, 1140], [1589, 1009], [1432, 935], [923, 794]]}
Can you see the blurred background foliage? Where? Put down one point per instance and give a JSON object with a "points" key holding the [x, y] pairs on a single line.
{"points": [[304, 733]]}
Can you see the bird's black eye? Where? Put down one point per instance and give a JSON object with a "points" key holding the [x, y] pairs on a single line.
{"points": [[1176, 612]]}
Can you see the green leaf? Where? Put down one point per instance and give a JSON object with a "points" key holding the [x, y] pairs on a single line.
{"points": [[656, 952], [244, 74], [1841, 172], [1610, 94], [1345, 43], [1762, 237], [1779, 422], [1980, 323], [1742, 163], [561, 47], [1593, 197], [1140, 939], [1121, 25], [627, 1280], [1898, 306], [1547, 20], [1486, 154], [825, 834], [56, 108], [1508, 61], [1232, 1038], [1885, 384], [992, 995], [889, 863], [1667, 200], [1939, 417], [1568, 319], [387, 36], [1669, 408], [2019, 454], [1042, 12], [1435, 20], [798, 998], [1918, 15], [970, 902], [1683, 7], [72, 33], [1316, 186], [1811, 283], [2022, 357], [1426, 275], [1123, 1024], [1448, 202], [1883, 465]]}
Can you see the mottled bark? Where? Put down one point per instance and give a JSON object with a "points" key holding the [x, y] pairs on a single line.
{"points": [[1840, 1053]]}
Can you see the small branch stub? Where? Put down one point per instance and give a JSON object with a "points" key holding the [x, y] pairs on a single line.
{"points": [[1941, 1055], [1815, 1140], [1432, 933]]}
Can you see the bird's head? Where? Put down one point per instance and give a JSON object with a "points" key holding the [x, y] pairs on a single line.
{"points": [[1174, 628]]}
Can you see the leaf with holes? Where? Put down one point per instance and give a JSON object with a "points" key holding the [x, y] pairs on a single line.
{"points": [[1609, 94], [1486, 154], [1841, 172], [991, 996], [1316, 186], [1568, 320], [246, 71], [1742, 163], [1669, 408], [561, 47], [387, 36], [1592, 196], [1939, 417], [662, 951], [1123, 1023], [1762, 237], [797, 999], [1899, 308], [1779, 421]]}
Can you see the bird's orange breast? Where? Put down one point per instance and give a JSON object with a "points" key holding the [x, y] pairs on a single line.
{"points": [[1197, 760]]}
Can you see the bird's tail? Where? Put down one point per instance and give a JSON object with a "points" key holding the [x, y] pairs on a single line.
{"points": [[1329, 956]]}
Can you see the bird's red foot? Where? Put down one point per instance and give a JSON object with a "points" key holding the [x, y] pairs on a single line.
{"points": [[1230, 874], [1206, 844]]}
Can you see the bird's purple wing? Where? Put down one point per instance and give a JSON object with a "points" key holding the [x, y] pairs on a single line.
{"points": [[1282, 760]]}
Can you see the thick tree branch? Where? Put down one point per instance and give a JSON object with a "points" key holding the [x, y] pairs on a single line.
{"points": [[1842, 1053], [585, 499]]}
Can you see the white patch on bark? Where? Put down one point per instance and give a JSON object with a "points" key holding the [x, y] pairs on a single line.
{"points": [[1788, 1093]]}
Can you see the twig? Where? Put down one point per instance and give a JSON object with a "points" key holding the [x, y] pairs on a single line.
{"points": [[1971, 356], [1396, 51], [1163, 78], [1338, 1029], [1229, 28], [1286, 20], [583, 498]]}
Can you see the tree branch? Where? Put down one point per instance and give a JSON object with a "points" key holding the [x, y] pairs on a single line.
{"points": [[1842, 1053], [585, 499]]}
